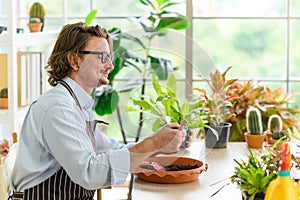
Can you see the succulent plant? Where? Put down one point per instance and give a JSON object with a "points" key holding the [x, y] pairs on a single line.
{"points": [[275, 127], [37, 10], [253, 121], [275, 123]]}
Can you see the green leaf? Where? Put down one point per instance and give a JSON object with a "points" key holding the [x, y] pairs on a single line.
{"points": [[169, 3], [89, 18], [156, 124], [146, 106], [106, 101], [147, 3], [156, 86], [176, 115], [185, 108], [177, 22], [171, 85], [159, 2], [161, 66], [134, 39], [116, 35]]}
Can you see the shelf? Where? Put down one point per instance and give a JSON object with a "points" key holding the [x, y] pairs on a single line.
{"points": [[29, 39]]}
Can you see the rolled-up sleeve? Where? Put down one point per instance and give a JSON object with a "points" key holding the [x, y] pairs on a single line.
{"points": [[119, 161]]}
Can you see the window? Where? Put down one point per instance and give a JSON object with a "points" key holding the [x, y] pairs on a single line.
{"points": [[259, 38]]}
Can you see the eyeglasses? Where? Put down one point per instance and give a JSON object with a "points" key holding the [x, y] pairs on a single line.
{"points": [[104, 56]]}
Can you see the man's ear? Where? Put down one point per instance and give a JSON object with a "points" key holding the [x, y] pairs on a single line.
{"points": [[72, 61]]}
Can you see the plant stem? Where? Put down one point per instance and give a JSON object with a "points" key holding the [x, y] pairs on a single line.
{"points": [[121, 125], [143, 91]]}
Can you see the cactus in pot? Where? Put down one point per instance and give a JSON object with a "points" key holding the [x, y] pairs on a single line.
{"points": [[253, 120], [275, 131], [254, 135], [275, 123], [37, 10]]}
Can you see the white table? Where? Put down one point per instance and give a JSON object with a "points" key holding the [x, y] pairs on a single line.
{"points": [[220, 166]]}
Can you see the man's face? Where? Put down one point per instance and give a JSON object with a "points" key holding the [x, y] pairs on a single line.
{"points": [[95, 64]]}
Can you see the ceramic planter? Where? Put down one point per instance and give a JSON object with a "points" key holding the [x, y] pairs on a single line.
{"points": [[255, 141], [223, 132]]}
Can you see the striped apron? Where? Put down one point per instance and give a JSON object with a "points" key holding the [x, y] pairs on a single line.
{"points": [[59, 186]]}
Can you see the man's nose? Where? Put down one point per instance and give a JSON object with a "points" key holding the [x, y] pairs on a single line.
{"points": [[109, 65]]}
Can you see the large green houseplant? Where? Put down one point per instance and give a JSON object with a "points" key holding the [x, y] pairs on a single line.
{"points": [[159, 17], [217, 107]]}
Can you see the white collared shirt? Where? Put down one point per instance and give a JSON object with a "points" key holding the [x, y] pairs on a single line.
{"points": [[53, 135]]}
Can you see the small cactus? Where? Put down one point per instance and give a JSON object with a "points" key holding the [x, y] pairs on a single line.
{"points": [[275, 123], [37, 10], [253, 121]]}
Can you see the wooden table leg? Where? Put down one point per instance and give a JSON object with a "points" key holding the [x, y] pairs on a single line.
{"points": [[99, 194]]}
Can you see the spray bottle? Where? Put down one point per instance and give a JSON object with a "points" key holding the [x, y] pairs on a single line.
{"points": [[283, 187]]}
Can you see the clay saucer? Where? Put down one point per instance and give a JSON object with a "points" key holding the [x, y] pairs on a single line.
{"points": [[182, 176]]}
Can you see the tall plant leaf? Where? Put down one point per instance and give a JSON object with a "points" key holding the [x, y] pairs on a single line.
{"points": [[167, 4], [89, 18], [177, 22], [171, 85]]}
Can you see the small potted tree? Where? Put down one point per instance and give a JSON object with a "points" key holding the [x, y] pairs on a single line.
{"points": [[217, 107], [37, 14], [275, 131], [254, 135]]}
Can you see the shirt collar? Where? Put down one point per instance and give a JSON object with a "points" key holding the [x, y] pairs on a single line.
{"points": [[85, 99]]}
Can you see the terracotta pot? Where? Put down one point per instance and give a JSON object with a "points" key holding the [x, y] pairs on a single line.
{"points": [[272, 141], [172, 177], [255, 141], [3, 103], [35, 27]]}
